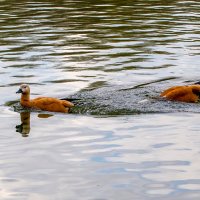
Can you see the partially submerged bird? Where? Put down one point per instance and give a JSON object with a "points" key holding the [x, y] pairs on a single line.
{"points": [[187, 93], [43, 103]]}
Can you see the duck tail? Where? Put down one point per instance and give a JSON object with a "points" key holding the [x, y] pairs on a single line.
{"points": [[67, 104]]}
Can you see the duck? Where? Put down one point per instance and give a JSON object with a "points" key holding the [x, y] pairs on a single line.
{"points": [[184, 93], [43, 103]]}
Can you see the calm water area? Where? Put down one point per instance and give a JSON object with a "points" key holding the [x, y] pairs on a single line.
{"points": [[65, 47]]}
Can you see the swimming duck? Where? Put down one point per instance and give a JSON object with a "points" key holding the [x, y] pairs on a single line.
{"points": [[187, 93], [43, 103]]}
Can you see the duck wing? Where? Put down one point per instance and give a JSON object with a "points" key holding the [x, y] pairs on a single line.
{"points": [[45, 102], [42, 102]]}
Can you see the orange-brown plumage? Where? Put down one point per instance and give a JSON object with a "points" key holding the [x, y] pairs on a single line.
{"points": [[188, 93], [43, 103]]}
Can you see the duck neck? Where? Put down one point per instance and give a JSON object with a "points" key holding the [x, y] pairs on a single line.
{"points": [[25, 100]]}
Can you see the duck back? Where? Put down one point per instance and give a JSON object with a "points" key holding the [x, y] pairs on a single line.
{"points": [[51, 104], [188, 93]]}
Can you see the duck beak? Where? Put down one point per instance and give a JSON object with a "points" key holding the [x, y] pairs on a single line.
{"points": [[19, 91]]}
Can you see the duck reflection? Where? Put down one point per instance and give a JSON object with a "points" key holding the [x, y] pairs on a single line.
{"points": [[25, 127]]}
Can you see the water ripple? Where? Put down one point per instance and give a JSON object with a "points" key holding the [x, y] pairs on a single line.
{"points": [[62, 47]]}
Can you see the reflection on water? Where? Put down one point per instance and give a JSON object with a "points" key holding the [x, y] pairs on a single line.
{"points": [[67, 46], [101, 158], [24, 127]]}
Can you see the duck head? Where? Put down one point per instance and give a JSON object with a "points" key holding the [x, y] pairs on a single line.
{"points": [[24, 89]]}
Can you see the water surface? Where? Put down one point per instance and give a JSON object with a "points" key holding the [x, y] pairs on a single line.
{"points": [[100, 51]]}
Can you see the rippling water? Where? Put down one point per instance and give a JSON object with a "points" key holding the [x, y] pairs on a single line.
{"points": [[64, 47]]}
